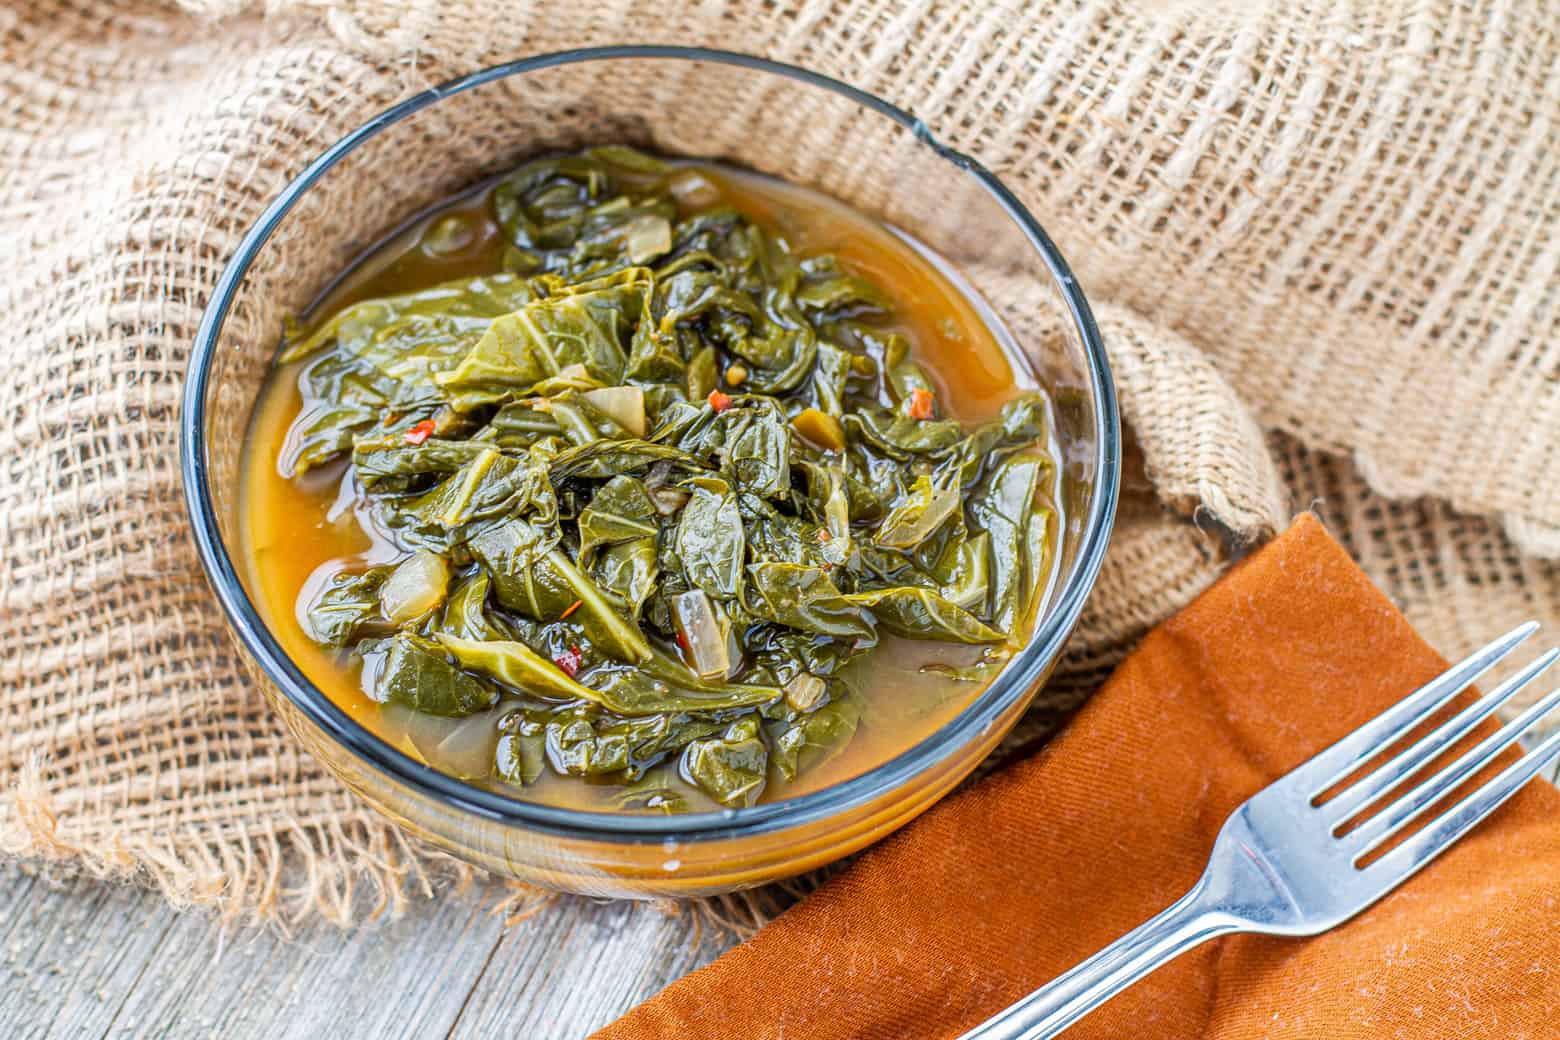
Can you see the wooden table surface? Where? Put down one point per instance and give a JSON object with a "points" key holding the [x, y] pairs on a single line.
{"points": [[86, 959]]}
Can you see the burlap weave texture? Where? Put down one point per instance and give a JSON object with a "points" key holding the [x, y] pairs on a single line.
{"points": [[1320, 239]]}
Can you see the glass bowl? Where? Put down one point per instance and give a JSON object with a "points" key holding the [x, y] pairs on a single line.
{"points": [[774, 118]]}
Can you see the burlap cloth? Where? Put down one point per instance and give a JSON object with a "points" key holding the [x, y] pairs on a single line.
{"points": [[1321, 243]]}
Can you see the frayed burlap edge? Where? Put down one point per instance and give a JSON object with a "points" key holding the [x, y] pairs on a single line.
{"points": [[350, 870]]}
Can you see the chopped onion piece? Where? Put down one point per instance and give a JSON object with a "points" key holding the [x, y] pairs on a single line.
{"points": [[625, 405], [700, 628], [692, 189], [465, 747], [647, 237], [449, 235], [470, 749], [415, 587], [668, 500], [423, 732], [804, 692]]}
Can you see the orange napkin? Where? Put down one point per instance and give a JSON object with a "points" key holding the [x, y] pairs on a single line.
{"points": [[1009, 883]]}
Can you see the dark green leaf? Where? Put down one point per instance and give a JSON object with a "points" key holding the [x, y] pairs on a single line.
{"points": [[416, 673], [901, 375], [750, 440], [347, 608], [640, 691], [521, 754], [804, 598], [517, 666], [391, 464], [585, 324], [702, 373], [410, 335], [833, 292], [532, 577], [605, 459], [485, 490], [731, 767], [901, 437], [831, 379], [627, 573], [966, 579], [710, 540], [918, 516], [918, 613], [809, 740], [579, 745], [322, 431], [465, 611], [621, 511], [1001, 507], [651, 793], [521, 424]]}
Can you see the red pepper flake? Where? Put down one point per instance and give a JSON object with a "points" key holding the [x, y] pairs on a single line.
{"points": [[824, 535], [419, 433], [571, 608], [682, 641], [568, 661], [920, 404], [719, 401]]}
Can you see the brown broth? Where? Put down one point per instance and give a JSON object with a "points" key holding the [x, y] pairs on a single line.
{"points": [[296, 530]]}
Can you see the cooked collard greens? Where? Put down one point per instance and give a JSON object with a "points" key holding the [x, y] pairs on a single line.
{"points": [[654, 485]]}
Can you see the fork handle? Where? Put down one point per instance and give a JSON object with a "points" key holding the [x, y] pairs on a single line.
{"points": [[1189, 921]]}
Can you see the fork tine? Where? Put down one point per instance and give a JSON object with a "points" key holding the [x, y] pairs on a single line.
{"points": [[1332, 765], [1410, 761], [1396, 816], [1458, 820]]}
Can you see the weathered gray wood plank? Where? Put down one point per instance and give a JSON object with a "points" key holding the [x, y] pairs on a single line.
{"points": [[72, 954], [85, 960], [573, 968], [95, 961], [407, 977]]}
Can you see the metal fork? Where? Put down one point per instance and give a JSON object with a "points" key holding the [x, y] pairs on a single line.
{"points": [[1285, 864]]}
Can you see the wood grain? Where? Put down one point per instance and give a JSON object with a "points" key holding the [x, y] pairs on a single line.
{"points": [[93, 961], [88, 960]]}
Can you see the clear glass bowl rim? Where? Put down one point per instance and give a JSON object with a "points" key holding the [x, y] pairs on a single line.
{"points": [[1025, 670]]}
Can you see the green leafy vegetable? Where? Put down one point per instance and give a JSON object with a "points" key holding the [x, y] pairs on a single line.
{"points": [[521, 753], [517, 666], [347, 608], [730, 767], [810, 738], [584, 324], [626, 574], [465, 611], [923, 614], [1002, 508], [416, 673], [622, 511], [709, 539], [534, 578], [657, 483], [802, 597]]}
